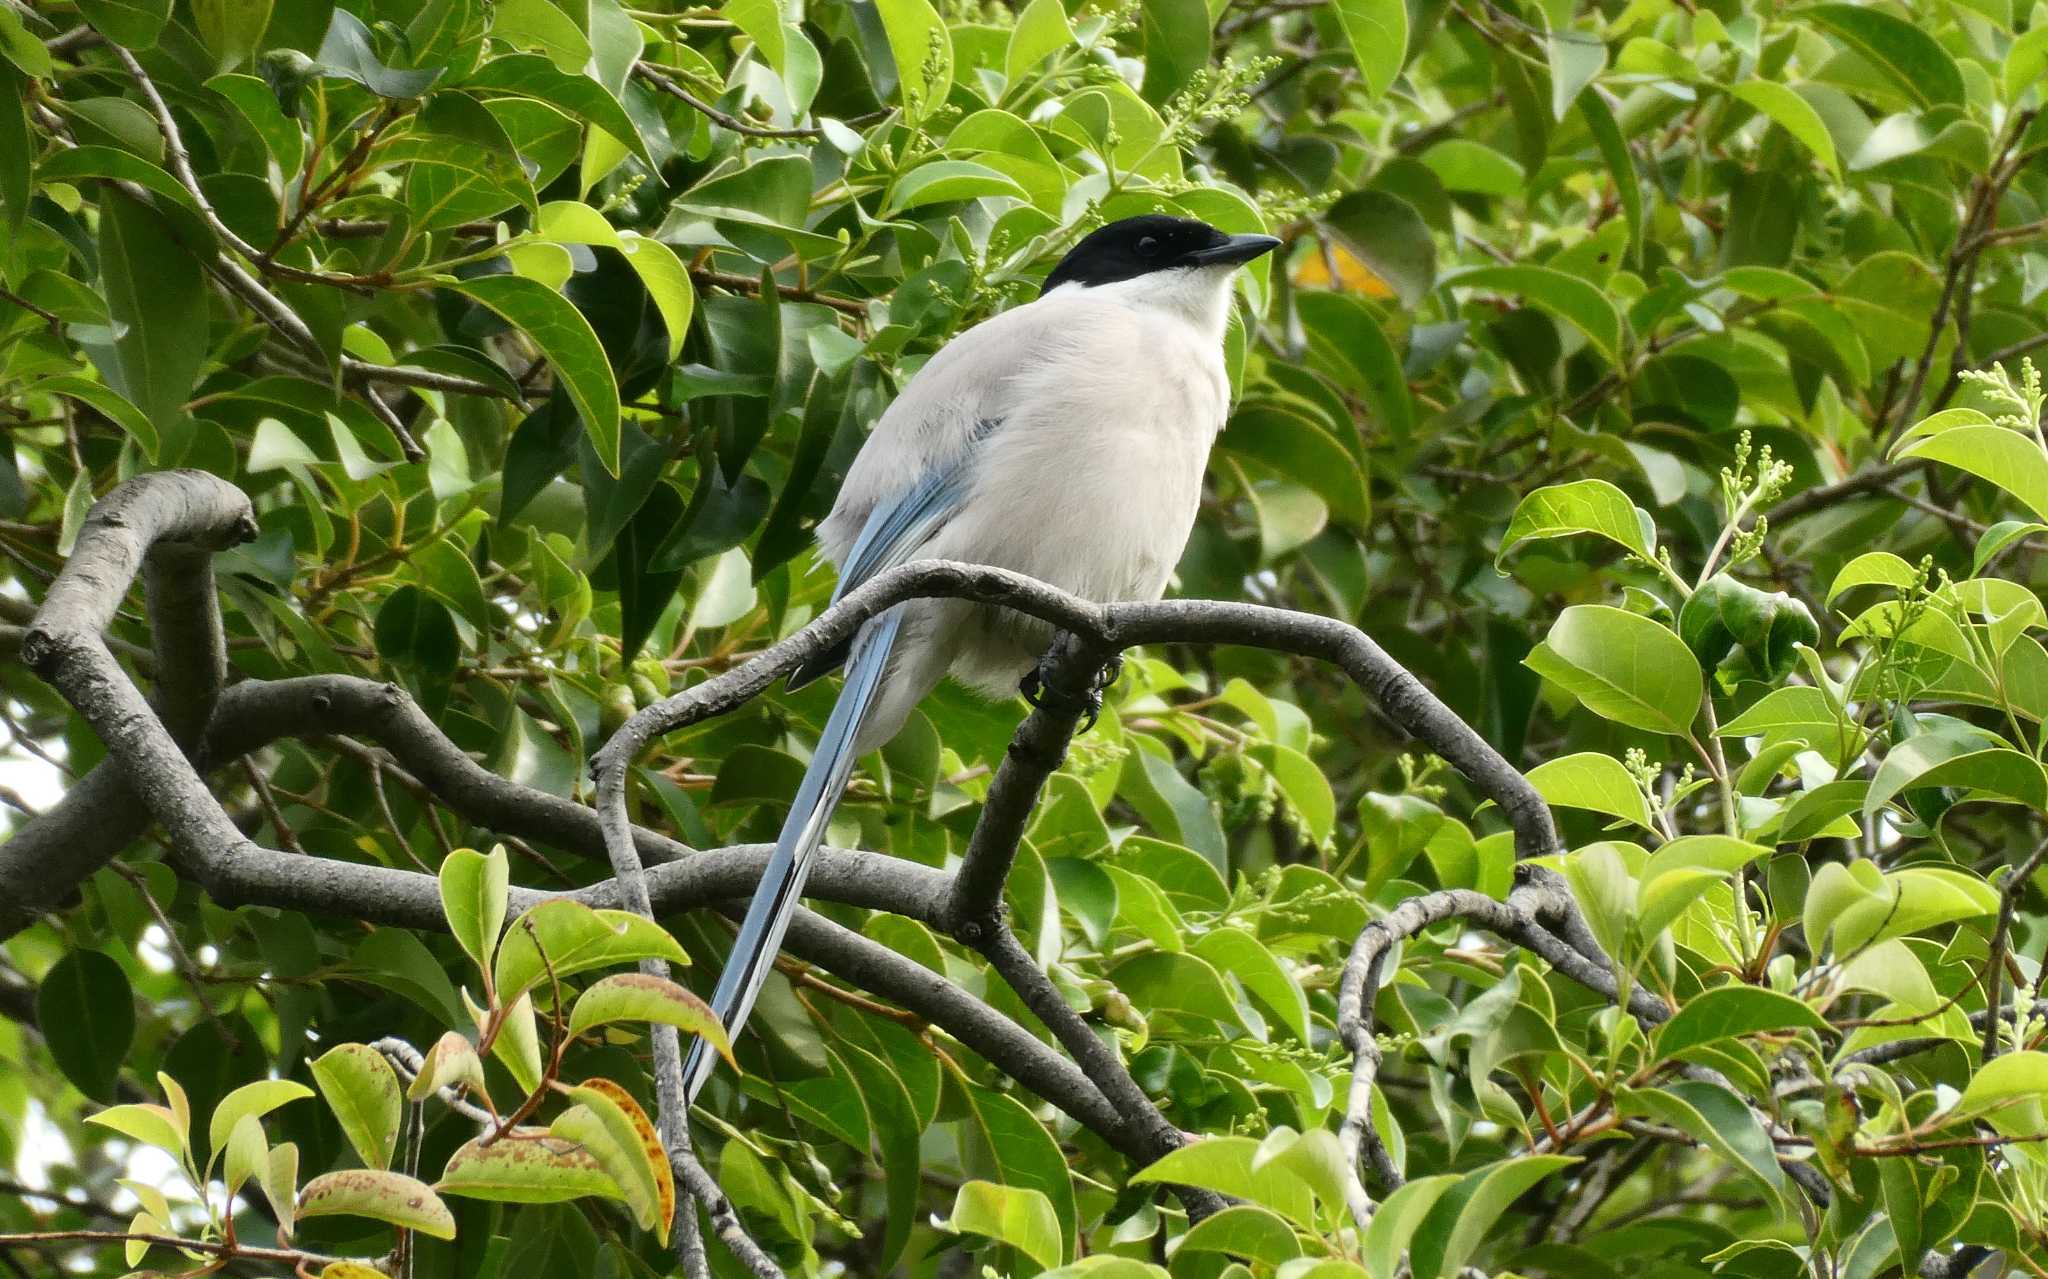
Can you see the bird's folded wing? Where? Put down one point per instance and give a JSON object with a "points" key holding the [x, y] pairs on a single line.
{"points": [[896, 530]]}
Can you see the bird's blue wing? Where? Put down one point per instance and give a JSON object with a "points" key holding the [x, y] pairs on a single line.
{"points": [[894, 532]]}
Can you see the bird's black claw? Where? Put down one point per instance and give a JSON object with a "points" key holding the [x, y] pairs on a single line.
{"points": [[1039, 688]]}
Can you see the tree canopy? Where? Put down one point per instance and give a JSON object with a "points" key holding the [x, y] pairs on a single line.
{"points": [[1581, 813]]}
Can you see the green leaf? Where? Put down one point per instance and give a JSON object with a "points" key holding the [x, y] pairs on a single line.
{"points": [[1344, 333], [396, 960], [86, 1012], [362, 1091], [231, 29], [1169, 983], [1458, 1221], [1795, 706], [250, 1101], [1621, 167], [923, 54], [1768, 627], [415, 631], [382, 1196], [1575, 57], [247, 1152], [1726, 1012], [17, 152], [944, 181], [147, 1123], [642, 997], [1792, 113], [568, 342], [1228, 1165], [154, 289], [1592, 781], [1717, 1119], [1234, 951], [2008, 1091], [531, 75], [134, 23], [663, 274], [1176, 40], [1021, 1218], [2005, 457], [1873, 568], [1377, 31], [474, 890], [348, 52], [1397, 1219], [566, 937], [1622, 666], [1247, 1231], [279, 1178], [1461, 164], [1386, 233], [21, 48], [1908, 56], [1566, 296], [1606, 893], [1943, 759], [1041, 29], [526, 1166], [1582, 506]]}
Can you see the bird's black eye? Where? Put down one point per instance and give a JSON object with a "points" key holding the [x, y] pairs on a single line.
{"points": [[1148, 245]]}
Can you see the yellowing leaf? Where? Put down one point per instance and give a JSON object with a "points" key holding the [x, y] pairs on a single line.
{"points": [[383, 1196]]}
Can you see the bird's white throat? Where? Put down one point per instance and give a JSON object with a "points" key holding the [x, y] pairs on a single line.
{"points": [[1199, 295]]}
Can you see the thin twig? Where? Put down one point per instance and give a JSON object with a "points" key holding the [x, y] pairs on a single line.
{"points": [[725, 120]]}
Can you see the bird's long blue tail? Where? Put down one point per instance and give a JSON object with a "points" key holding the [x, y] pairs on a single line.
{"points": [[760, 935]]}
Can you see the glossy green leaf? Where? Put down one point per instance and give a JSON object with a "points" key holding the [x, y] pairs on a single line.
{"points": [[1565, 296], [1622, 666], [568, 342], [1021, 1218], [1582, 506], [362, 1091], [1911, 59], [250, 1101], [474, 890], [1591, 781], [561, 938], [1793, 114], [87, 1014], [1726, 1012], [1377, 31]]}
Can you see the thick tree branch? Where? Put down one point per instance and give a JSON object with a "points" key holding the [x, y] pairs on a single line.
{"points": [[973, 906], [46, 860], [1115, 627]]}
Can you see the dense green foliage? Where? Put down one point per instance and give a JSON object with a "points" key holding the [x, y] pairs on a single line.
{"points": [[1645, 375]]}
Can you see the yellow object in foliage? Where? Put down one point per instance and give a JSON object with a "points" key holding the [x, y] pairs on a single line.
{"points": [[1339, 268]]}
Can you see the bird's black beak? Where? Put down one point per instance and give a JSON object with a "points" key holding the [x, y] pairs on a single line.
{"points": [[1235, 250]]}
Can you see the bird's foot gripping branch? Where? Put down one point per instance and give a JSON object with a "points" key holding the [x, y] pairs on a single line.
{"points": [[548, 1135]]}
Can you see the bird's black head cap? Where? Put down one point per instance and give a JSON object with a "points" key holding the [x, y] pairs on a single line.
{"points": [[1131, 247]]}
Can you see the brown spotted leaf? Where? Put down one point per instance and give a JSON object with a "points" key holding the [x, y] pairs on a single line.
{"points": [[384, 1196], [620, 1136], [644, 997], [526, 1166]]}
